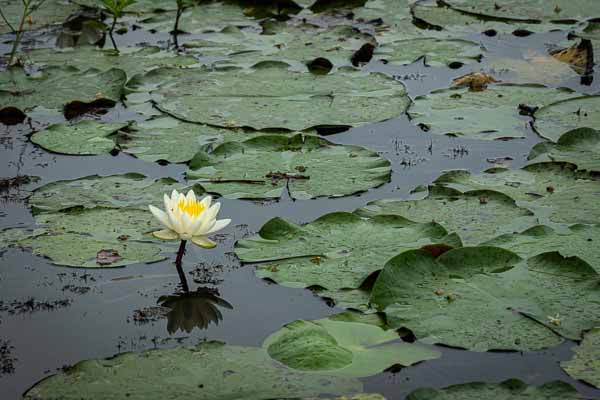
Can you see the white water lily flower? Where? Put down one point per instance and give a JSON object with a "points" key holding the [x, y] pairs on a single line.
{"points": [[189, 219]]}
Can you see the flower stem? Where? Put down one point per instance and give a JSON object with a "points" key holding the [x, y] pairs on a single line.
{"points": [[180, 253], [183, 280]]}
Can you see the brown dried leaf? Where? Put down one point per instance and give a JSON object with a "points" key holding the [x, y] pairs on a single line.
{"points": [[475, 81]]}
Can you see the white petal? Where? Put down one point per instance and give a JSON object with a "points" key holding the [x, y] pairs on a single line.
{"points": [[196, 223], [206, 201], [175, 220], [191, 197], [208, 219], [161, 216], [174, 195], [186, 222], [166, 234], [205, 227], [220, 224], [203, 241]]}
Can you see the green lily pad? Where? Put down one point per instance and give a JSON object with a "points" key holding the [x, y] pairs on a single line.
{"points": [[578, 241], [51, 12], [83, 138], [559, 117], [307, 166], [433, 51], [585, 364], [475, 216], [451, 21], [533, 68], [132, 60], [336, 251], [489, 114], [115, 191], [512, 389], [343, 348], [483, 298], [553, 191], [580, 147], [176, 141], [56, 86], [210, 370], [269, 95]]}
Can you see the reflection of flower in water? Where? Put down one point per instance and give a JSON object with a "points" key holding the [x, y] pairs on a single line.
{"points": [[193, 309]]}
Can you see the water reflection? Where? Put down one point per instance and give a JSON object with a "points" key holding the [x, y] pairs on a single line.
{"points": [[193, 309]]}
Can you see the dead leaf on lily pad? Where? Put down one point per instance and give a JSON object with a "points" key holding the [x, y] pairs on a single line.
{"points": [[579, 56], [476, 81]]}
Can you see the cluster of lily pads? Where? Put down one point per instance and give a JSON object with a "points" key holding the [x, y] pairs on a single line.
{"points": [[500, 260]]}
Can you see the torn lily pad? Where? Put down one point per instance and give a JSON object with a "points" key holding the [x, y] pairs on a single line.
{"points": [[269, 95], [83, 138], [211, 370], [511, 389], [492, 113], [54, 87], [476, 216], [343, 348], [483, 298], [579, 147], [336, 251], [553, 191], [307, 166], [554, 119], [434, 52], [585, 364]]}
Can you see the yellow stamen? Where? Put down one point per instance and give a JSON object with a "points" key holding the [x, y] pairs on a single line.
{"points": [[192, 208]]}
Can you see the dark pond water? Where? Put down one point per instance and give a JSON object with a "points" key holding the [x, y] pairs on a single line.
{"points": [[75, 314]]}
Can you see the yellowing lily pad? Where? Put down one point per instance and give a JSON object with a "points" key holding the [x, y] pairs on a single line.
{"points": [[307, 166]]}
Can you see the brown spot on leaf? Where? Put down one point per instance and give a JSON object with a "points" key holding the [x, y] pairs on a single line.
{"points": [[107, 257], [437, 250]]}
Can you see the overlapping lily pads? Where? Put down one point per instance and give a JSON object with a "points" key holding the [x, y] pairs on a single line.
{"points": [[476, 216], [510, 389], [553, 191], [307, 166], [585, 364], [56, 86], [85, 137], [433, 51], [210, 370], [483, 298], [559, 117], [580, 147], [269, 95], [343, 348], [489, 114], [336, 251]]}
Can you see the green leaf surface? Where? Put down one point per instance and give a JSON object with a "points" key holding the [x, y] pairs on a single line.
{"points": [[210, 370], [434, 52], [553, 191], [508, 390], [336, 251], [559, 117], [534, 67], [52, 12], [55, 86], [580, 147], [489, 114], [343, 348], [307, 165], [483, 298], [475, 216], [269, 95], [585, 364], [82, 138]]}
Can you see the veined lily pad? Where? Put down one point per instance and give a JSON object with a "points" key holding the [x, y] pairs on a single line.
{"points": [[483, 298], [53, 87], [336, 251], [580, 147], [176, 141], [559, 117], [475, 216], [116, 191], [307, 165], [132, 60], [343, 348], [512, 389], [434, 52], [585, 364], [210, 370], [51, 12], [269, 95], [553, 191], [490, 114], [578, 241], [85, 137]]}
